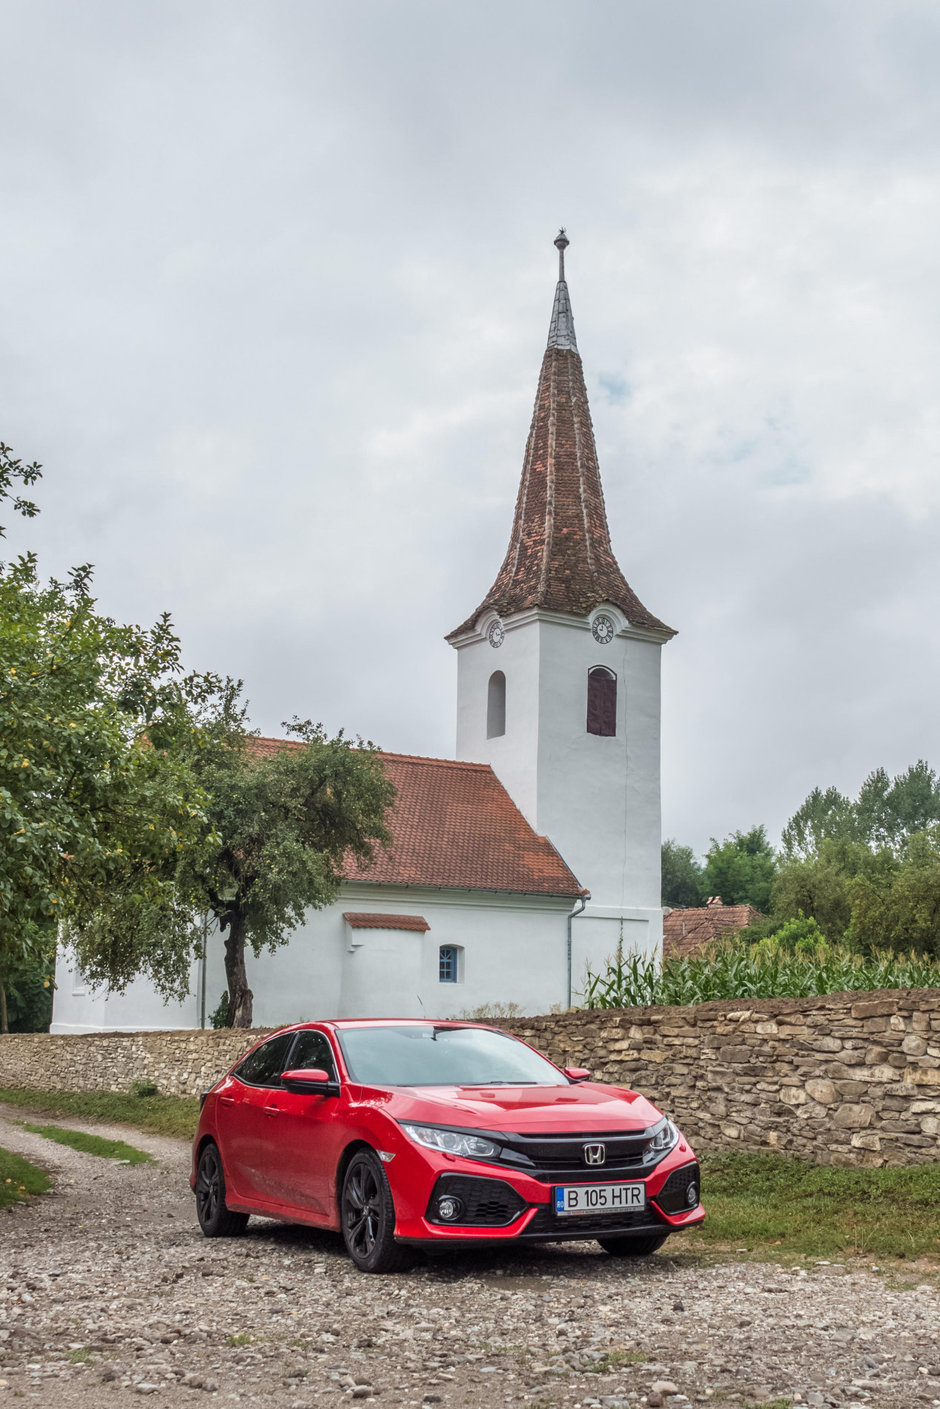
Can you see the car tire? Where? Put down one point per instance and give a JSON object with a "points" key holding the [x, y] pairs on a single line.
{"points": [[633, 1247], [215, 1220], [367, 1216]]}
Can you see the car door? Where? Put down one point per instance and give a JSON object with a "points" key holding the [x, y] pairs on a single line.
{"points": [[310, 1130], [248, 1115]]}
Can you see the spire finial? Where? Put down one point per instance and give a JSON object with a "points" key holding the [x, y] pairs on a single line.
{"points": [[561, 328], [561, 243]]}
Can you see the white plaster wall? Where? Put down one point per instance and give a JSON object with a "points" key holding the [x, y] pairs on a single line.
{"points": [[514, 950], [597, 799], [78, 1008], [514, 755]]}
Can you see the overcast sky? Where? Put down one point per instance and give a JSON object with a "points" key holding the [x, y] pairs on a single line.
{"points": [[276, 281]]}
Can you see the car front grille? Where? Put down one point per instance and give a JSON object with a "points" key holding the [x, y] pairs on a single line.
{"points": [[552, 1159], [673, 1196]]}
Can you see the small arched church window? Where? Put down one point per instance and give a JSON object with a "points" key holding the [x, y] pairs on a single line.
{"points": [[602, 701], [496, 705], [449, 963]]}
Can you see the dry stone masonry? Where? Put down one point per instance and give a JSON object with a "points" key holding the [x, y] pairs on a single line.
{"points": [[846, 1078]]}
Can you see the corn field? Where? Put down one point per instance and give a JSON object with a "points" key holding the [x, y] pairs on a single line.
{"points": [[726, 972]]}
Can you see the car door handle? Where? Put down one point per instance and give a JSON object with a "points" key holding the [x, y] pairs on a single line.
{"points": [[271, 1110], [226, 1100]]}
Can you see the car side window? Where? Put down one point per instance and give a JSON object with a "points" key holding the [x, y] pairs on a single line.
{"points": [[264, 1065], [312, 1049]]}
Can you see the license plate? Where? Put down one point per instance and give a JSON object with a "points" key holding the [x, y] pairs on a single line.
{"points": [[599, 1198]]}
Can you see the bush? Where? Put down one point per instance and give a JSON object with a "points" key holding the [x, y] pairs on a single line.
{"points": [[219, 1018]]}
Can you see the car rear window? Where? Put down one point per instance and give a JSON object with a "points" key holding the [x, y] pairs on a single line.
{"points": [[264, 1065], [423, 1054]]}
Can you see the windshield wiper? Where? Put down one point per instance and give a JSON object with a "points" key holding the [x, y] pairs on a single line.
{"points": [[501, 1083]]}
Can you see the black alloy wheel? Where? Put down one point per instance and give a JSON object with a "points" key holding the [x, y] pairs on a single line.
{"points": [[215, 1220], [367, 1214], [633, 1247]]}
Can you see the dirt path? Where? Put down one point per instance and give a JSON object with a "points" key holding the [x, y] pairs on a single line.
{"points": [[108, 1291]]}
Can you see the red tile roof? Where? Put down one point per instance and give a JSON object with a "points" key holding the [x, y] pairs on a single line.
{"points": [[687, 932], [385, 922], [454, 825], [560, 556]]}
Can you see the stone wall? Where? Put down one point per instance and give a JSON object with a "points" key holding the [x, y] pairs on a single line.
{"points": [[848, 1078], [181, 1063]]}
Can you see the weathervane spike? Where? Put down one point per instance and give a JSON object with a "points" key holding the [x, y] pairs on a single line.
{"points": [[561, 243]]}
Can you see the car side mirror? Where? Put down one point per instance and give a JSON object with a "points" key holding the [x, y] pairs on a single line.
{"points": [[577, 1073], [312, 1081]]}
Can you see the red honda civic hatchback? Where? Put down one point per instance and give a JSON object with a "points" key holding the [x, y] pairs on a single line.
{"points": [[409, 1132]]}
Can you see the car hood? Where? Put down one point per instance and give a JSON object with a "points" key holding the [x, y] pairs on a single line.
{"points": [[543, 1109]]}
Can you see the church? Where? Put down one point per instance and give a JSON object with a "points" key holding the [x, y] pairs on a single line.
{"points": [[535, 855]]}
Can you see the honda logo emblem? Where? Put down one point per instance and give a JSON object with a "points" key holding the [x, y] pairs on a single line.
{"points": [[595, 1154]]}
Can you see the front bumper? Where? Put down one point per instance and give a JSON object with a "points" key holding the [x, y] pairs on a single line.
{"points": [[500, 1205]]}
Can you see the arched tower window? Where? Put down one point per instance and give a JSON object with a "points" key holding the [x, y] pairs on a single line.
{"points": [[602, 701], [496, 705]]}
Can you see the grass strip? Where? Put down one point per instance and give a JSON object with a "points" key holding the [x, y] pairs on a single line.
{"points": [[766, 1203], [19, 1179], [159, 1115], [90, 1144]]}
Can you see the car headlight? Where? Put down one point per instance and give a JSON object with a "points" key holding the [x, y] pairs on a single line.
{"points": [[451, 1142], [663, 1139]]}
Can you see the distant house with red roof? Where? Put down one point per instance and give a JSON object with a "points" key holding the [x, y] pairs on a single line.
{"points": [[537, 854], [687, 932]]}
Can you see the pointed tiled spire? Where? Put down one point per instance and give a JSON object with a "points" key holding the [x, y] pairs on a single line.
{"points": [[560, 556]]}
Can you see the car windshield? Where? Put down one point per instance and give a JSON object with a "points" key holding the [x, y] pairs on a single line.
{"points": [[425, 1054]]}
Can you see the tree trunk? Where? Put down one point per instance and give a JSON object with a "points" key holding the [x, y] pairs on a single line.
{"points": [[4, 1024], [240, 996]]}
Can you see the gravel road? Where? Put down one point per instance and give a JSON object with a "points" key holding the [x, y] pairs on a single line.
{"points": [[109, 1291]]}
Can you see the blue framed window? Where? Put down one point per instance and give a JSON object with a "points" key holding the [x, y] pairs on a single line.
{"points": [[447, 965]]}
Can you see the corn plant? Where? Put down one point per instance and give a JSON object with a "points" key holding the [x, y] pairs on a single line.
{"points": [[762, 971]]}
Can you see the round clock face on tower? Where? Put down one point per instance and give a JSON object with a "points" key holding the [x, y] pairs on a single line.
{"points": [[496, 635], [603, 630]]}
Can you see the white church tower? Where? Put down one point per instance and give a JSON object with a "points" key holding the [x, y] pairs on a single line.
{"points": [[559, 671]]}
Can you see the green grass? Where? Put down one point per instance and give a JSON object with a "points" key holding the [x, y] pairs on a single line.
{"points": [[768, 1204], [89, 1144], [19, 1179], [160, 1115]]}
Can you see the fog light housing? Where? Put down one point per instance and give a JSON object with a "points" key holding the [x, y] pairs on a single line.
{"points": [[691, 1195], [448, 1208]]}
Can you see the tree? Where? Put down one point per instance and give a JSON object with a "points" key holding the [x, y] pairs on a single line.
{"points": [[821, 816], [885, 814], [682, 875], [898, 907], [740, 869], [27, 982], [93, 818]]}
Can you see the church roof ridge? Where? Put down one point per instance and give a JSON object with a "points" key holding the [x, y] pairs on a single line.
{"points": [[560, 556], [267, 743]]}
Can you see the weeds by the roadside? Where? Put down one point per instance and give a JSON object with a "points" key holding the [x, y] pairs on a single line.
{"points": [[160, 1115], [767, 1203], [19, 1179], [614, 1360], [89, 1144]]}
